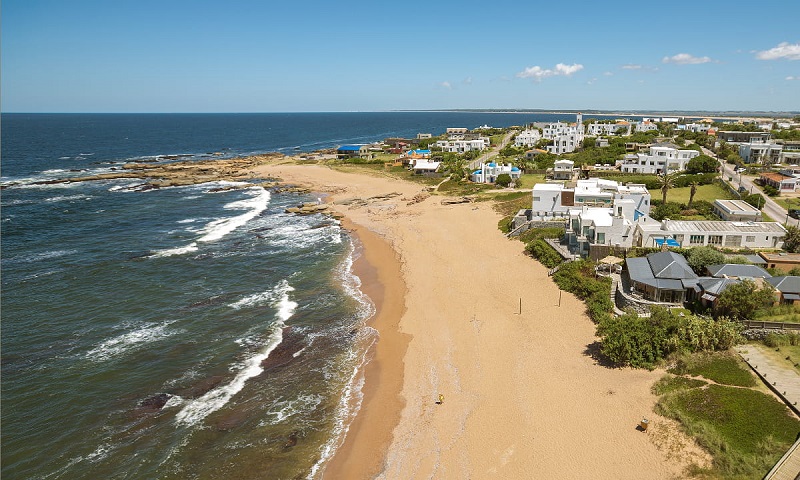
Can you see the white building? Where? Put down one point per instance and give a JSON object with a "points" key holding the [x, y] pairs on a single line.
{"points": [[612, 226], [566, 137], [598, 129], [421, 166], [695, 127], [662, 158], [462, 146], [645, 126], [760, 152], [715, 233], [563, 170], [553, 199], [527, 138], [736, 211], [489, 172]]}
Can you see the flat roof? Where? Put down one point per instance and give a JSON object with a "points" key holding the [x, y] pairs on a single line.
{"points": [[703, 226], [736, 206]]}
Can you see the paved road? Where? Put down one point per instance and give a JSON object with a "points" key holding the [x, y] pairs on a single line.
{"points": [[771, 208], [491, 153]]}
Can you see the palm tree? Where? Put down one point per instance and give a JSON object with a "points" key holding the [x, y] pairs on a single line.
{"points": [[666, 181], [693, 190]]}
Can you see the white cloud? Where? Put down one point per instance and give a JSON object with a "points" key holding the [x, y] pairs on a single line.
{"points": [[790, 77], [608, 74], [446, 85], [467, 81], [591, 81], [685, 59], [538, 73], [631, 66], [789, 51]]}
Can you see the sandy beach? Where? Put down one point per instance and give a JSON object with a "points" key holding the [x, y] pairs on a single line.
{"points": [[522, 396]]}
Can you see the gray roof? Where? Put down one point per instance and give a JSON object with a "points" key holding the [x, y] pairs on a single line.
{"points": [[734, 270], [715, 286], [755, 259], [669, 265], [787, 284], [640, 271]]}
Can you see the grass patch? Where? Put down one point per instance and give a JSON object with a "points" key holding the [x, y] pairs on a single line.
{"points": [[745, 431], [528, 180], [709, 193], [787, 203], [725, 368], [670, 383]]}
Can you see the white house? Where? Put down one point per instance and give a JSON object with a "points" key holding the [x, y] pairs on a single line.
{"points": [[553, 199], [462, 146], [566, 137], [527, 138], [645, 126], [597, 129], [612, 226], [760, 152], [662, 158], [422, 165], [715, 233], [563, 170], [489, 172]]}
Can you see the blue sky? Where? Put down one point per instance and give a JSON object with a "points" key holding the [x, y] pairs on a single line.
{"points": [[302, 56]]}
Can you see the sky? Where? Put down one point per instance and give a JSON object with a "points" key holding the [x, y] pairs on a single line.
{"points": [[321, 56]]}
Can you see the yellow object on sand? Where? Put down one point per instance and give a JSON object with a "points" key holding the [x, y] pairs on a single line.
{"points": [[441, 398]]}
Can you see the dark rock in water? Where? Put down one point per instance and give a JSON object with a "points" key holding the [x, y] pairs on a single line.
{"points": [[155, 403], [202, 387], [292, 440], [283, 354]]}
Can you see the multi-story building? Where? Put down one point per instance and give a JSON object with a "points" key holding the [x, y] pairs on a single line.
{"points": [[566, 137], [462, 146], [527, 138], [662, 158], [760, 152], [554, 199], [617, 128], [714, 233]]}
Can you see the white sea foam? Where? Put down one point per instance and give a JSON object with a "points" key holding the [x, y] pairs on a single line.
{"points": [[149, 332], [65, 198], [198, 409], [219, 228], [38, 257], [282, 410], [174, 401]]}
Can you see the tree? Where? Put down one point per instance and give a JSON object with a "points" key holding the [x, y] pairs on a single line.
{"points": [[700, 257], [666, 210], [791, 242], [692, 191], [702, 164], [666, 182], [503, 180], [757, 200], [741, 300]]}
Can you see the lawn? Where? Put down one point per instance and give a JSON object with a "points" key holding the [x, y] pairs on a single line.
{"points": [[708, 193], [745, 430], [787, 202], [528, 180]]}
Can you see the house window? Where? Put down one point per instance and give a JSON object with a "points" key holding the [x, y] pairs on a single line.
{"points": [[715, 239], [601, 238], [696, 239], [750, 239], [679, 238], [536, 199]]}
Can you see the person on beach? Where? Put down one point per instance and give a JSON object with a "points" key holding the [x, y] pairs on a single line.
{"points": [[441, 399]]}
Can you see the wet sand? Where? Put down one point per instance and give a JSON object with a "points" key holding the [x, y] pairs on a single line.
{"points": [[523, 396]]}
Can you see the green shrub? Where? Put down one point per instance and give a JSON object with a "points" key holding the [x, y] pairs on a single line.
{"points": [[670, 383], [775, 340], [504, 180], [542, 251], [579, 279], [722, 367]]}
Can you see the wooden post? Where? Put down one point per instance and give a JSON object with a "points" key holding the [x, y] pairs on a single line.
{"points": [[559, 297], [520, 306]]}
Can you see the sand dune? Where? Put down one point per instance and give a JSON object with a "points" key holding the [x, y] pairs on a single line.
{"points": [[522, 398]]}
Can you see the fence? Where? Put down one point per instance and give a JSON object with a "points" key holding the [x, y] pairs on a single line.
{"points": [[771, 325]]}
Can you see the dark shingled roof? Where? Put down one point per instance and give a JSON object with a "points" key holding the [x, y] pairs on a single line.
{"points": [[669, 265]]}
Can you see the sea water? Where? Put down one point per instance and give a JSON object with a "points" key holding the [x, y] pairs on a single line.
{"points": [[187, 332]]}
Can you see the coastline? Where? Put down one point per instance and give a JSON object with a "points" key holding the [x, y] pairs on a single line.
{"points": [[363, 451], [522, 391]]}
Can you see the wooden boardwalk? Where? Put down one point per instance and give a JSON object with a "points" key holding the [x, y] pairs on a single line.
{"points": [[788, 467]]}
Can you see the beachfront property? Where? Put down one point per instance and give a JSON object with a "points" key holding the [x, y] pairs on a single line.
{"points": [[424, 166], [733, 270], [781, 261], [354, 151], [489, 172], [662, 158], [563, 170], [588, 227], [527, 138], [760, 152], [736, 211], [424, 136], [721, 234], [463, 146], [779, 181], [418, 153], [660, 277], [554, 199]]}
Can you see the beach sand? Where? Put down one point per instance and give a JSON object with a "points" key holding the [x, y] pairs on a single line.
{"points": [[523, 397]]}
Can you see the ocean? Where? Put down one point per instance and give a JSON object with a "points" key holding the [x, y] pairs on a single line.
{"points": [[185, 332]]}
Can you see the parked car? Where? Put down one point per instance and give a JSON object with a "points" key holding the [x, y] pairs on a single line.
{"points": [[794, 213]]}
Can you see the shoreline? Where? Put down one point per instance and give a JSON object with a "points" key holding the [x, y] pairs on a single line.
{"points": [[523, 393], [366, 442]]}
